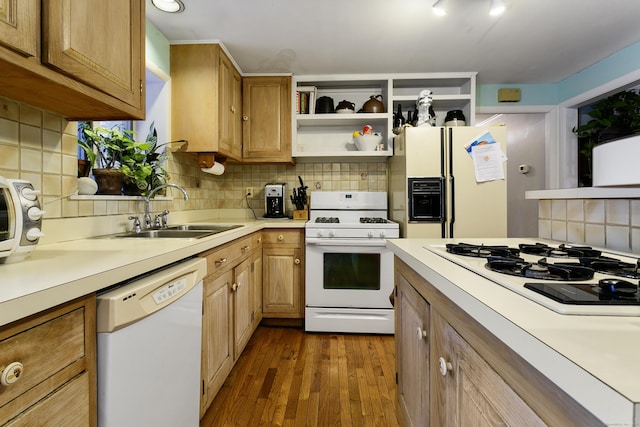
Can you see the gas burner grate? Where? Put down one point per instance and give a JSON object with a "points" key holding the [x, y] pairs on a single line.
{"points": [[327, 220], [613, 266], [540, 270], [562, 251], [373, 220], [481, 251]]}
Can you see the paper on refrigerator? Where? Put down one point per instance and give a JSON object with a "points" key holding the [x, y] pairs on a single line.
{"points": [[488, 158]]}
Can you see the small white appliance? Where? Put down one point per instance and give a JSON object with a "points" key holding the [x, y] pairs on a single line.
{"points": [[20, 219], [349, 271], [149, 349]]}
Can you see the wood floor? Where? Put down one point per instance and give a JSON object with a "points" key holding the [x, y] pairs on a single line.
{"points": [[286, 377]]}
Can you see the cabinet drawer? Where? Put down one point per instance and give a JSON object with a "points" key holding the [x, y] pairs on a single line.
{"points": [[282, 237], [68, 406], [219, 259], [53, 347]]}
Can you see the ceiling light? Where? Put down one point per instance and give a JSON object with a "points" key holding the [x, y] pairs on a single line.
{"points": [[171, 6], [438, 8], [497, 7]]}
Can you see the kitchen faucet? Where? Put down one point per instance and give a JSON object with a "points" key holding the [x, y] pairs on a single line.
{"points": [[147, 215]]}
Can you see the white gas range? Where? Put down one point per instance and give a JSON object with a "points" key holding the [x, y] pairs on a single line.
{"points": [[566, 278], [349, 270]]}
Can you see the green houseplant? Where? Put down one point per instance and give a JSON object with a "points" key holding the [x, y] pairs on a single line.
{"points": [[143, 164], [614, 117]]}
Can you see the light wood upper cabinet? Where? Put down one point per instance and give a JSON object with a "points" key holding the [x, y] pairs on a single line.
{"points": [[206, 103], [99, 43], [19, 25], [266, 119]]}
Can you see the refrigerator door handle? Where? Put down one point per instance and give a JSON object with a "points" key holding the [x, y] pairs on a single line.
{"points": [[452, 182]]}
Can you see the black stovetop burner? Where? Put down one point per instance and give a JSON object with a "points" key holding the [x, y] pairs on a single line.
{"points": [[372, 220], [327, 219], [482, 251], [609, 291], [562, 251], [613, 266], [541, 270]]}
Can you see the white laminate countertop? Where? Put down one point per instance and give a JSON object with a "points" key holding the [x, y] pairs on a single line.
{"points": [[59, 272], [595, 359]]}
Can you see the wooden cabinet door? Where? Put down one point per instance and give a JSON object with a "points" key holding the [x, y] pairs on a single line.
{"points": [[230, 87], [217, 336], [75, 41], [266, 119], [469, 391], [412, 353], [19, 25], [282, 272], [256, 278], [242, 306]]}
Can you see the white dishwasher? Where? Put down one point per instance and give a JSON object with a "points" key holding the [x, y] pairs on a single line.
{"points": [[149, 349]]}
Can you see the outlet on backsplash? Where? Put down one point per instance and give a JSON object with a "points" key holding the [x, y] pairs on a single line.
{"points": [[249, 193]]}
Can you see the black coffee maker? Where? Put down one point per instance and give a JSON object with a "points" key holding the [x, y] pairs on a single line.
{"points": [[274, 200]]}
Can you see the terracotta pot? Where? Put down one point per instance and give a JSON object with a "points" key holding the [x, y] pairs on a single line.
{"points": [[109, 181]]}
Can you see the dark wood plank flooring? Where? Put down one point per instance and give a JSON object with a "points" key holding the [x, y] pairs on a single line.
{"points": [[286, 377]]}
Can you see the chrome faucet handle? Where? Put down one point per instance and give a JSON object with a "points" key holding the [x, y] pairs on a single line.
{"points": [[136, 224], [165, 213], [147, 220], [156, 221]]}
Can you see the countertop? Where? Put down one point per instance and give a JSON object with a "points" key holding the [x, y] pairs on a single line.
{"points": [[59, 272], [595, 359]]}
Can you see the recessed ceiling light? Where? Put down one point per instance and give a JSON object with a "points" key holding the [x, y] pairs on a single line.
{"points": [[171, 6], [497, 7], [439, 8]]}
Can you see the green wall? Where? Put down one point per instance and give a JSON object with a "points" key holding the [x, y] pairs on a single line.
{"points": [[617, 65], [157, 47]]}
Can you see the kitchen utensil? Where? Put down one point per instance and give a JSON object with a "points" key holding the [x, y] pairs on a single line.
{"points": [[324, 105], [374, 105], [345, 107], [367, 142], [455, 118]]}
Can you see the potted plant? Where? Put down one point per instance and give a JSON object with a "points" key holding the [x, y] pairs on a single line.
{"points": [[143, 164], [104, 147], [614, 117]]}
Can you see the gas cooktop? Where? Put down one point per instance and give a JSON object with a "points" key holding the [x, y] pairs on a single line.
{"points": [[569, 279]]}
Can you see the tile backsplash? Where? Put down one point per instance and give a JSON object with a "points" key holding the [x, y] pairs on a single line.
{"points": [[610, 223], [42, 147]]}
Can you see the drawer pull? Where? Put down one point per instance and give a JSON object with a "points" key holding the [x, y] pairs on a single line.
{"points": [[280, 237], [221, 261], [444, 366], [422, 333], [297, 261], [11, 373], [245, 248]]}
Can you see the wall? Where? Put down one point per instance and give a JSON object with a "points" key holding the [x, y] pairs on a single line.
{"points": [[610, 223]]}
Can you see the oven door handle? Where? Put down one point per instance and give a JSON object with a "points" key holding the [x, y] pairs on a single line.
{"points": [[311, 241]]}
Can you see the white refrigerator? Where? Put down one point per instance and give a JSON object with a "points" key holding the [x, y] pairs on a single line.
{"points": [[449, 182]]}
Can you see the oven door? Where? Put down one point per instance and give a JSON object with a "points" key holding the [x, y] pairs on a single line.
{"points": [[348, 274]]}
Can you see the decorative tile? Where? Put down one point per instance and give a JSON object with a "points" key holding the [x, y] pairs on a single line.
{"points": [[617, 212], [575, 232], [559, 209], [594, 235], [594, 211], [617, 237], [575, 210], [559, 230]]}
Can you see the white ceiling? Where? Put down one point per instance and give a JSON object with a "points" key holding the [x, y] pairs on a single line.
{"points": [[534, 41]]}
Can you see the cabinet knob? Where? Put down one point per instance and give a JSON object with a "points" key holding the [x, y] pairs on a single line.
{"points": [[245, 118], [259, 240], [221, 261], [245, 248], [444, 366], [232, 109], [280, 237], [234, 287], [11, 373], [297, 261], [422, 333]]}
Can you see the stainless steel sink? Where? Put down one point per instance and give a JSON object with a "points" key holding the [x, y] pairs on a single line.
{"points": [[208, 227], [187, 231]]}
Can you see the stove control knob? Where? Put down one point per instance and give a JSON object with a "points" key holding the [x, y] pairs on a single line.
{"points": [[382, 234], [332, 233], [370, 234], [319, 233]]}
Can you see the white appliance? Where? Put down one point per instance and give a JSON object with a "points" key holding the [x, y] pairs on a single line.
{"points": [[566, 278], [149, 349], [349, 271], [433, 185]]}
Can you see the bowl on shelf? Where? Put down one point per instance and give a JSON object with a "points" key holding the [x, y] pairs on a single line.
{"points": [[367, 142]]}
